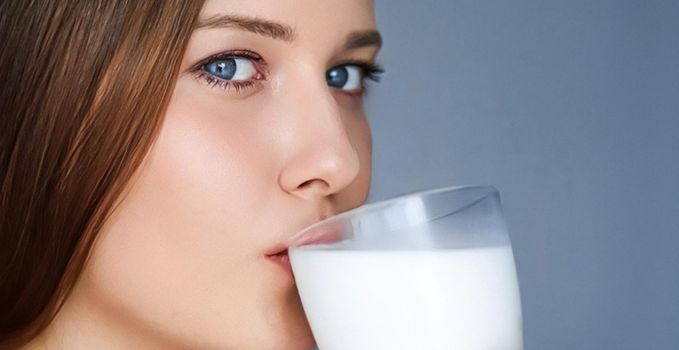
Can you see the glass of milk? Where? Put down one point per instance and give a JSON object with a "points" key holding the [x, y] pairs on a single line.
{"points": [[430, 270]]}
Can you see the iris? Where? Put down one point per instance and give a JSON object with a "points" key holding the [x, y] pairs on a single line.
{"points": [[337, 77], [223, 68]]}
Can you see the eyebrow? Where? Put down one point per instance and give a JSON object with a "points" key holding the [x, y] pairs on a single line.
{"points": [[255, 25], [362, 39], [283, 32]]}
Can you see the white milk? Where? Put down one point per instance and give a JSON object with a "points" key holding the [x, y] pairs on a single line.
{"points": [[464, 299]]}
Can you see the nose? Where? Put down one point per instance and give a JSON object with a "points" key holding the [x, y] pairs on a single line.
{"points": [[320, 158]]}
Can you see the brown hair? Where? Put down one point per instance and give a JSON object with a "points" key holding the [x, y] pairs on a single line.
{"points": [[84, 89]]}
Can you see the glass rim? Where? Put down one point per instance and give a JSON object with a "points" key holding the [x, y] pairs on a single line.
{"points": [[371, 207]]}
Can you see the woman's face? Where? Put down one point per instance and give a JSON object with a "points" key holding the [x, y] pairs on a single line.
{"points": [[265, 134]]}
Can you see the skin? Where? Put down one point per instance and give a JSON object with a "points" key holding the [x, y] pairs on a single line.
{"points": [[181, 262]]}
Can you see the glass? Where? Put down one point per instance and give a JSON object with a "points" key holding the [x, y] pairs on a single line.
{"points": [[430, 270]]}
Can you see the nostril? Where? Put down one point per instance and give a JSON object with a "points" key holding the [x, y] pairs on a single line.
{"points": [[305, 184], [318, 184]]}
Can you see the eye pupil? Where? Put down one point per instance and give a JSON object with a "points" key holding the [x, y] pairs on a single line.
{"points": [[337, 77], [224, 69]]}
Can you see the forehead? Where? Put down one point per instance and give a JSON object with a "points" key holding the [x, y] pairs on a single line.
{"points": [[308, 17]]}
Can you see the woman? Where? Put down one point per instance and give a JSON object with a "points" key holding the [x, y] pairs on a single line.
{"points": [[157, 156]]}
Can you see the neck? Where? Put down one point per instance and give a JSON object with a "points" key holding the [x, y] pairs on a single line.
{"points": [[84, 324]]}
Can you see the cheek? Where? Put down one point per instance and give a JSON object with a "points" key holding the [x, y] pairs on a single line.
{"points": [[179, 249]]}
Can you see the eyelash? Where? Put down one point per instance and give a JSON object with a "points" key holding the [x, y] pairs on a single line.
{"points": [[371, 71]]}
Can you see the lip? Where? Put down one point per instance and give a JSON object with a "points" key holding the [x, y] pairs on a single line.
{"points": [[279, 253], [282, 260]]}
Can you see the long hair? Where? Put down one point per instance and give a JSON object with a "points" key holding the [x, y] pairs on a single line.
{"points": [[83, 89]]}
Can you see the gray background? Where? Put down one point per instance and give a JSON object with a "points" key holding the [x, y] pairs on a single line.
{"points": [[571, 109]]}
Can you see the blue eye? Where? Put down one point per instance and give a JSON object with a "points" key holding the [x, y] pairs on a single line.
{"points": [[231, 68], [347, 77]]}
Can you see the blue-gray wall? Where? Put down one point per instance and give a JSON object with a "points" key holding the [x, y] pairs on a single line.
{"points": [[571, 109]]}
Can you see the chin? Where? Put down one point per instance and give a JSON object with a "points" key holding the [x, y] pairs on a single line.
{"points": [[305, 343], [301, 340], [279, 338], [295, 333], [297, 339]]}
